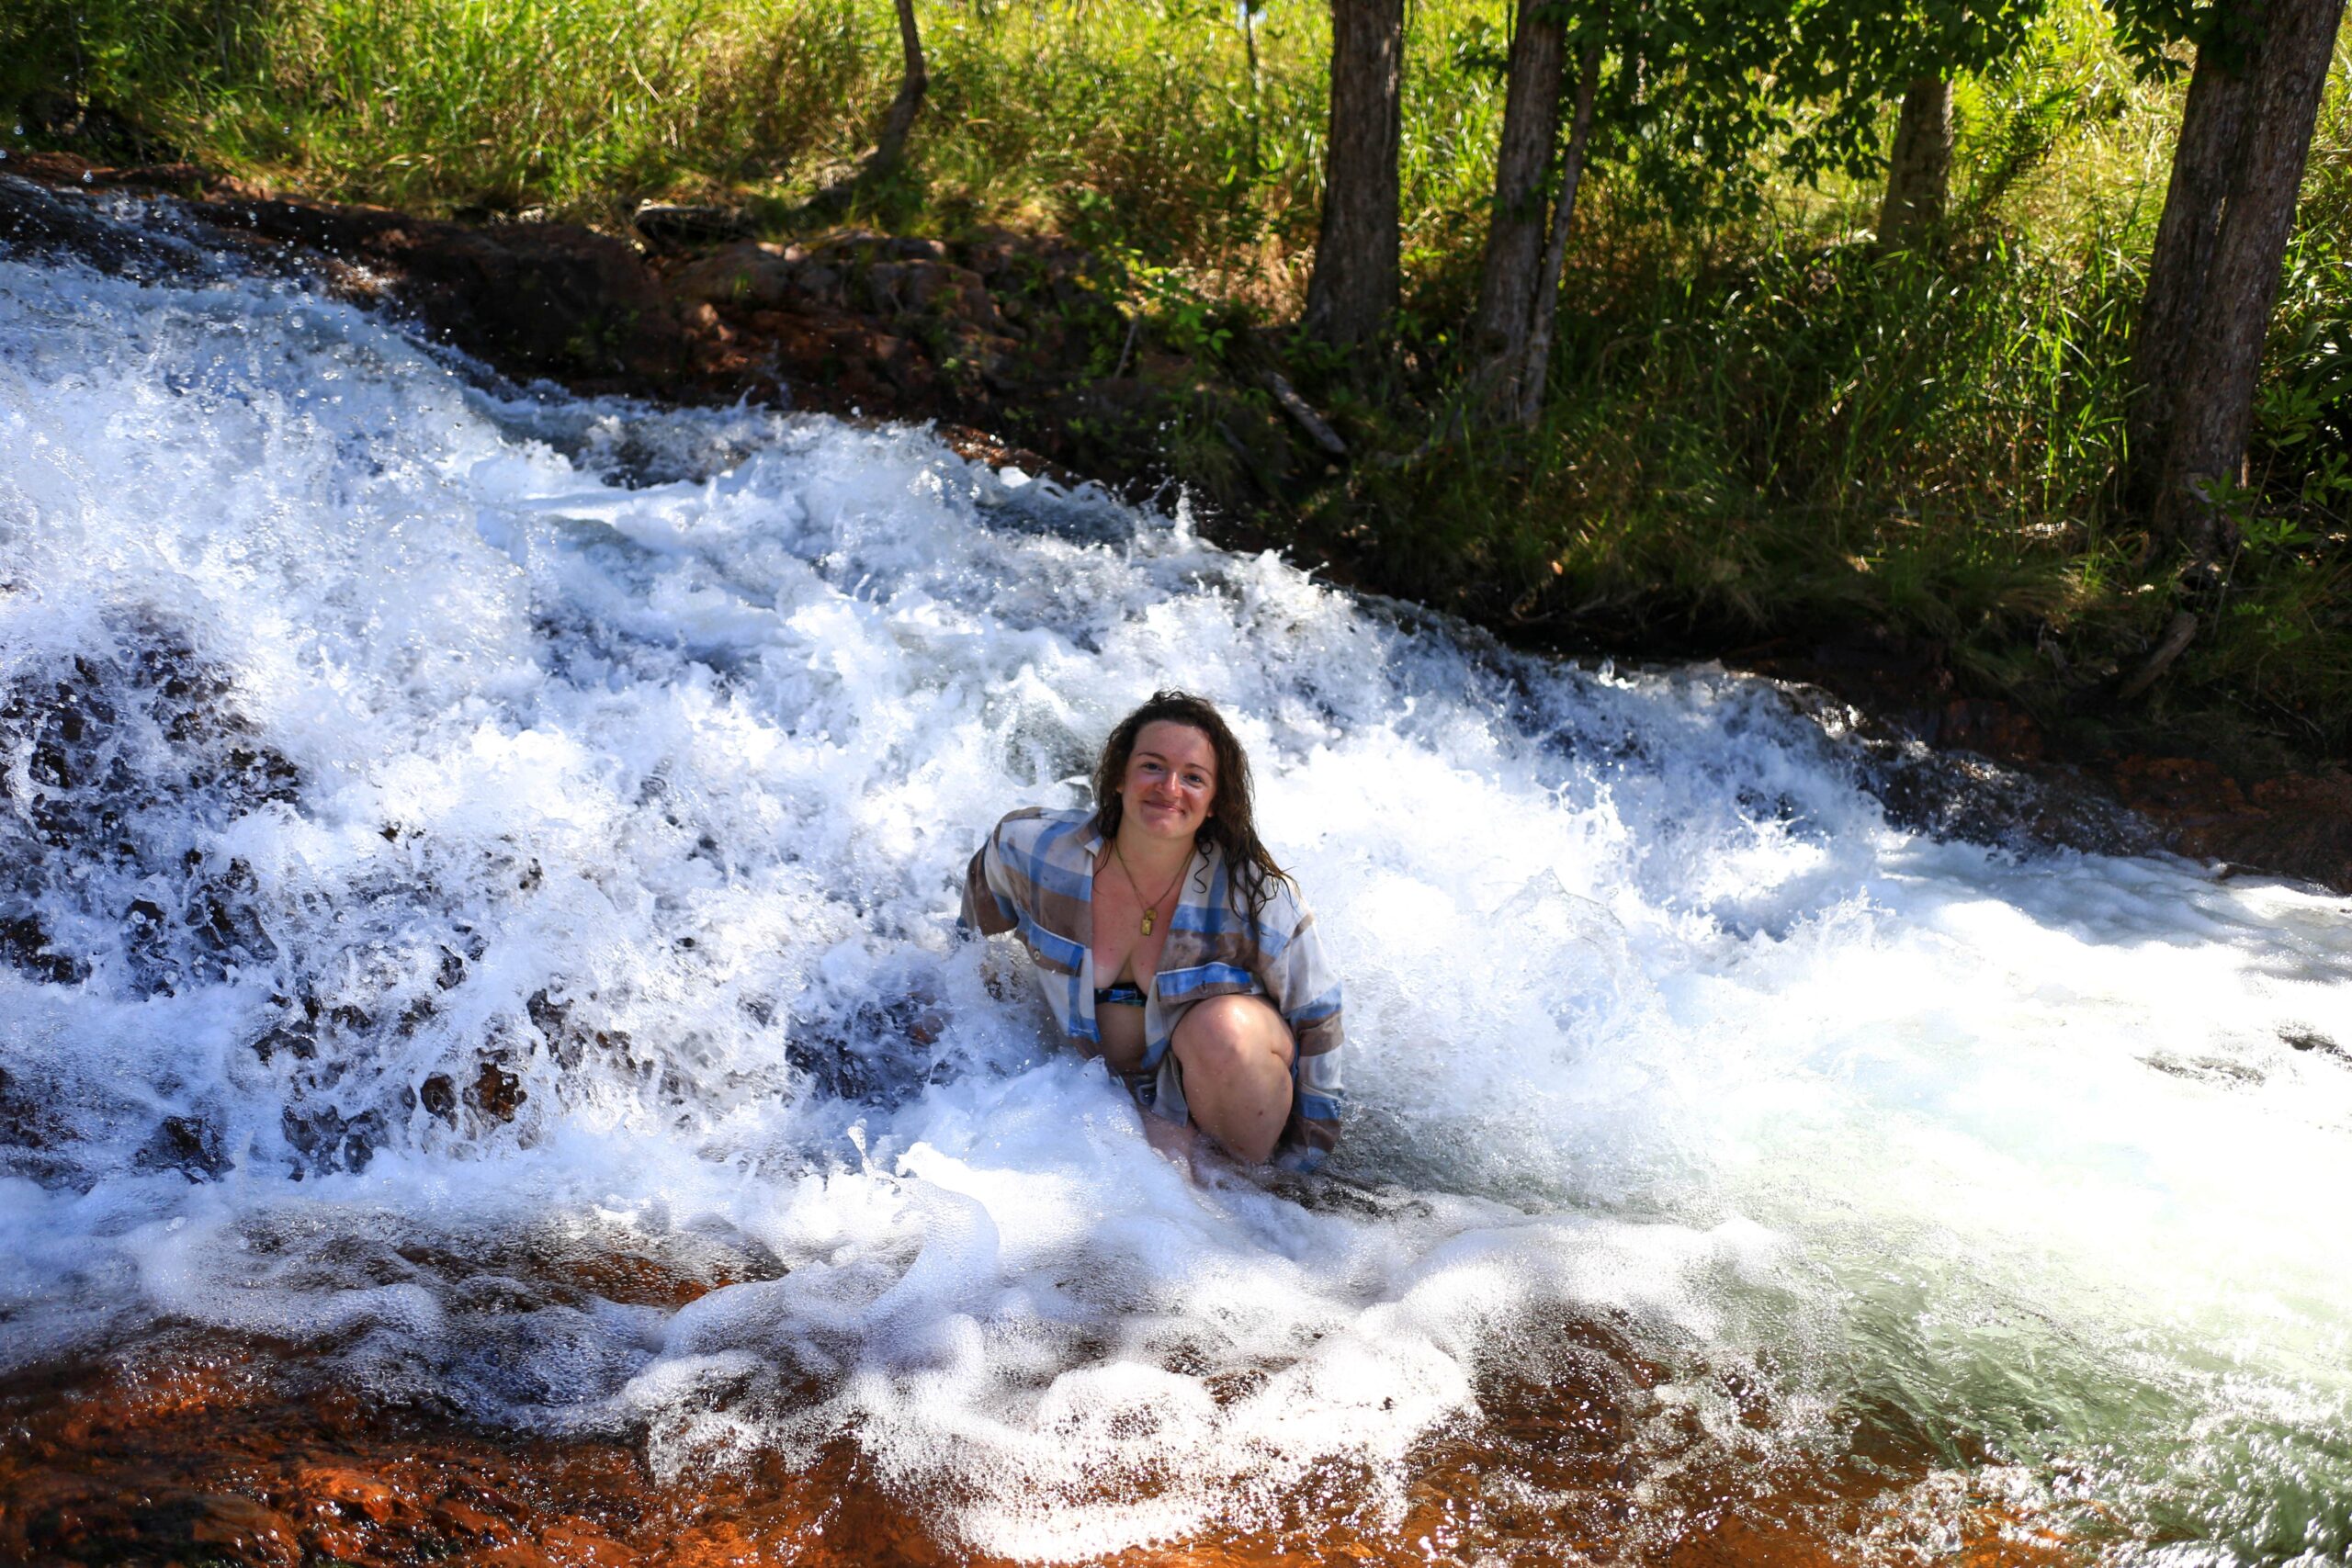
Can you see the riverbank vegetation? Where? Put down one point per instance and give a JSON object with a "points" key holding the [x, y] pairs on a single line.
{"points": [[1766, 417]]}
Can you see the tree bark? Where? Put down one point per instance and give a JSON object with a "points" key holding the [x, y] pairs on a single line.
{"points": [[1918, 171], [1555, 256], [2212, 123], [890, 147], [1353, 289], [2220, 357], [1507, 278]]}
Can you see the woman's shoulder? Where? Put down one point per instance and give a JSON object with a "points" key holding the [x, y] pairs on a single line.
{"points": [[1286, 907], [1034, 827], [1283, 907]]}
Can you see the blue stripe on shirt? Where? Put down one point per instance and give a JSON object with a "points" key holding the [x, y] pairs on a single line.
{"points": [[1052, 944], [1323, 1005], [1175, 983]]}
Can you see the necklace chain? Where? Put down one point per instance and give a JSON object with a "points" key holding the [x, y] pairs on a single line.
{"points": [[1150, 910]]}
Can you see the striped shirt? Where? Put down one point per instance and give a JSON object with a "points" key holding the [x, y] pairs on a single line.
{"points": [[1035, 877]]}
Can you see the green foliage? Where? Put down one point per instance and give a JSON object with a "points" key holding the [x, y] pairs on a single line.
{"points": [[1778, 433], [1187, 320], [1693, 91], [579, 105]]}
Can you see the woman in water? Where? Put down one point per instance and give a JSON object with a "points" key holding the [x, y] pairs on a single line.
{"points": [[1170, 943]]}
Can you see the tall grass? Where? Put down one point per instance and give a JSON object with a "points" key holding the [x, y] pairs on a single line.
{"points": [[574, 104], [1164, 127]]}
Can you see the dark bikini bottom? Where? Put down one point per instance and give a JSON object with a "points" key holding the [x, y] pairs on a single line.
{"points": [[1122, 995]]}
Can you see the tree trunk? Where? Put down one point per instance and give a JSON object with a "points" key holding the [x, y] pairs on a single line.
{"points": [[890, 147], [1918, 171], [1564, 212], [1506, 279], [2220, 356], [2211, 122], [1353, 289]]}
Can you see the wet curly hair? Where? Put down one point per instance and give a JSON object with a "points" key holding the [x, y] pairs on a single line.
{"points": [[1231, 825]]}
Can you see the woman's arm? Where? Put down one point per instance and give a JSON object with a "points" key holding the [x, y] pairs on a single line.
{"points": [[988, 894], [1305, 989]]}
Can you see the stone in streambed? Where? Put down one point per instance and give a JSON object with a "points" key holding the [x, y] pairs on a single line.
{"points": [[244, 1531]]}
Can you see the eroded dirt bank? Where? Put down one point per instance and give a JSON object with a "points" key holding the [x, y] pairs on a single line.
{"points": [[1015, 345]]}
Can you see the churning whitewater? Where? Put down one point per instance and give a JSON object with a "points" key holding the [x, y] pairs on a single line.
{"points": [[440, 819]]}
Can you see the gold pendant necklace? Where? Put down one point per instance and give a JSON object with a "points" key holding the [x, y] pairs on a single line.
{"points": [[1150, 910]]}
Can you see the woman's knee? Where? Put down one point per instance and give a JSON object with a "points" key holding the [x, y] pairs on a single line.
{"points": [[1231, 1030]]}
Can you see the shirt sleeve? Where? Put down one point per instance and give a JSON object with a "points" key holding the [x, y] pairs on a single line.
{"points": [[989, 893], [1304, 988]]}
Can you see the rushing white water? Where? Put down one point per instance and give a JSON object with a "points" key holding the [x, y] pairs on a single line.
{"points": [[363, 727]]}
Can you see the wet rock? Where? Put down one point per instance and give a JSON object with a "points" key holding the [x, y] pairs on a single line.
{"points": [[298, 1038], [1958, 795], [2218, 1070], [2313, 1040], [874, 1052], [349, 1491], [438, 1095], [465, 1521], [242, 1530], [24, 1121], [572, 1544], [25, 944], [496, 1092], [129, 747], [326, 1140], [189, 1144], [1993, 728], [2188, 793], [1573, 1458], [36, 222]]}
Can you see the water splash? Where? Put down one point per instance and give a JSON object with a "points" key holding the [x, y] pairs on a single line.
{"points": [[451, 836]]}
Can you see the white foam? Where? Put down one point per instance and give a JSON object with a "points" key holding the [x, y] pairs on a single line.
{"points": [[1652, 1013]]}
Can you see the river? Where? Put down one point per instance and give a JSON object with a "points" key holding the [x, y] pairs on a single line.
{"points": [[452, 834]]}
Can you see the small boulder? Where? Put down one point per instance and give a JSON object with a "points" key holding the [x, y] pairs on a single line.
{"points": [[749, 277], [942, 286], [818, 285], [672, 223]]}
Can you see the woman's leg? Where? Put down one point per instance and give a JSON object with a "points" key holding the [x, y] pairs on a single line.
{"points": [[1236, 1052]]}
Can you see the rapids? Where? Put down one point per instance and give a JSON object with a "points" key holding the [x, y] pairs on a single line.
{"points": [[440, 819]]}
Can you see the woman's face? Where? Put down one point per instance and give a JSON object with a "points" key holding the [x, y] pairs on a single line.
{"points": [[1170, 781]]}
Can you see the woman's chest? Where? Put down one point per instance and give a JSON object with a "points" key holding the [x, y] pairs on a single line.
{"points": [[1122, 946]]}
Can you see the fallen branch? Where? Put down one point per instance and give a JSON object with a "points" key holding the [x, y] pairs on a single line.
{"points": [[1308, 420], [1126, 349], [2175, 638]]}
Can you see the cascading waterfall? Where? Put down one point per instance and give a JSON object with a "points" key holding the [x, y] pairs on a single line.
{"points": [[443, 821]]}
